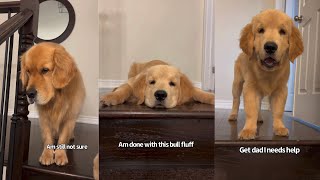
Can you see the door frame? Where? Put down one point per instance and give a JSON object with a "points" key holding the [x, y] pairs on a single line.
{"points": [[291, 8], [207, 79]]}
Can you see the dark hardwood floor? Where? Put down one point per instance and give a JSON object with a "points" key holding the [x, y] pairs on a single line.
{"points": [[132, 123], [228, 130], [231, 164], [80, 161], [213, 157]]}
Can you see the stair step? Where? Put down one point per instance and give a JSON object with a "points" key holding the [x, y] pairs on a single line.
{"points": [[157, 172], [80, 161], [230, 163], [138, 123], [130, 111], [299, 133]]}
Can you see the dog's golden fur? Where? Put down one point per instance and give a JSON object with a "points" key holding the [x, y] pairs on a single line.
{"points": [[50, 70], [258, 80], [96, 167], [144, 79]]}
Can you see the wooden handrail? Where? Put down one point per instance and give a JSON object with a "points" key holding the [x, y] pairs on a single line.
{"points": [[10, 26], [12, 6]]}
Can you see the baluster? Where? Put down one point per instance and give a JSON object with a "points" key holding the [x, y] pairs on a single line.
{"points": [[20, 124]]}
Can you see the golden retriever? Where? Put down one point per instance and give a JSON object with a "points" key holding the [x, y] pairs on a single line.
{"points": [[157, 84], [96, 167], [53, 81], [268, 43]]}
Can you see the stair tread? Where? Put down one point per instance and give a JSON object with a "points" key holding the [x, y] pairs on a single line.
{"points": [[80, 161], [127, 111], [226, 132], [157, 172], [229, 161]]}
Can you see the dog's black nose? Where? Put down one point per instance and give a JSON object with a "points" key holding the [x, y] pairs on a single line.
{"points": [[270, 47], [160, 95], [31, 93]]}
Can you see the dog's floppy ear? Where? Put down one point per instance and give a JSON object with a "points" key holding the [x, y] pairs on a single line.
{"points": [[139, 86], [295, 44], [64, 70], [23, 74], [246, 39], [186, 89]]}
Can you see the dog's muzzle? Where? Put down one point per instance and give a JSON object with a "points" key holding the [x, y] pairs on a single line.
{"points": [[31, 95]]}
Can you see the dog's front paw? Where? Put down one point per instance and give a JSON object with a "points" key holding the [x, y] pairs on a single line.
{"points": [[247, 134], [46, 157], [233, 117], [60, 158], [281, 131], [112, 99]]}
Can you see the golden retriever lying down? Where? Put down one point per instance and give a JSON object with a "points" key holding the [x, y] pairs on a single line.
{"points": [[156, 83], [269, 43], [53, 81]]}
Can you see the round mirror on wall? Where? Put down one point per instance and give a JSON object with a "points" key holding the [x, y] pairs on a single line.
{"points": [[56, 20]]}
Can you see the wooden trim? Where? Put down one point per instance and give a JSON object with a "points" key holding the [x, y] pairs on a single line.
{"points": [[267, 143], [12, 6], [42, 172], [9, 27], [152, 114]]}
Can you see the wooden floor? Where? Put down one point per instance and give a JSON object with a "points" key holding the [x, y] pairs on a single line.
{"points": [[228, 130], [127, 122], [231, 164], [134, 123], [80, 161]]}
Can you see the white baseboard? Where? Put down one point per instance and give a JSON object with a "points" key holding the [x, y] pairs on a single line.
{"points": [[110, 83], [81, 119], [227, 104]]}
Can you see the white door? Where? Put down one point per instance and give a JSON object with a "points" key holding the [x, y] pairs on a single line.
{"points": [[307, 79]]}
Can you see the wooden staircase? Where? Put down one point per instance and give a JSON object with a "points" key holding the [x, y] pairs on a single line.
{"points": [[132, 123], [80, 161], [231, 164]]}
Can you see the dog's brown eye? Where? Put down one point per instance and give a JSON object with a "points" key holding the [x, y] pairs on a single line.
{"points": [[152, 82], [261, 31], [282, 32], [172, 84], [44, 70]]}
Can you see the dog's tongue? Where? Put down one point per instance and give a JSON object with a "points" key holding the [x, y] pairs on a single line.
{"points": [[270, 61]]}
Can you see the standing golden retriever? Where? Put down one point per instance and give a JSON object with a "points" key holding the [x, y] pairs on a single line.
{"points": [[53, 81], [157, 84], [269, 43], [96, 167]]}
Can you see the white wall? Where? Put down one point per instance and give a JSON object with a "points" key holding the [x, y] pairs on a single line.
{"points": [[230, 17], [83, 45], [53, 20], [143, 30]]}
